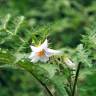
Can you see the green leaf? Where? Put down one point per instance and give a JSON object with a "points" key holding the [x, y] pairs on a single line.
{"points": [[82, 55], [58, 81], [6, 57], [50, 68]]}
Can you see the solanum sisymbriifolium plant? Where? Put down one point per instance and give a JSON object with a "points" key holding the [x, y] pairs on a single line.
{"points": [[56, 70]]}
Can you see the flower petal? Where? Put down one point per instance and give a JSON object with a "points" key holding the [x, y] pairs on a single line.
{"points": [[31, 55], [69, 63], [50, 52], [35, 59], [45, 44], [44, 59], [35, 49]]}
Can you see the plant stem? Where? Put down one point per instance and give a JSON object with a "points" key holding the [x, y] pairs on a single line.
{"points": [[40, 81], [76, 79], [43, 84]]}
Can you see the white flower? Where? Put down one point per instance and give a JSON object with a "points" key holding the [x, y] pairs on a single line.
{"points": [[42, 52], [69, 63]]}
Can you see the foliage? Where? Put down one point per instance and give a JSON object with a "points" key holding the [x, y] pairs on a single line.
{"points": [[67, 24]]}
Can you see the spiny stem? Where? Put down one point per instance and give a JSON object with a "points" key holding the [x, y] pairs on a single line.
{"points": [[67, 90], [76, 79], [43, 84]]}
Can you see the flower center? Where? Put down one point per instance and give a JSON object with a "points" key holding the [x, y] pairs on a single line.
{"points": [[40, 53]]}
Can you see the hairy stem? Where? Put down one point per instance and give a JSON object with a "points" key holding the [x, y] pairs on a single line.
{"points": [[76, 79], [43, 84]]}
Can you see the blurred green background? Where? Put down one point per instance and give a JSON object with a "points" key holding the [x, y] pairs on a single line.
{"points": [[69, 19]]}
